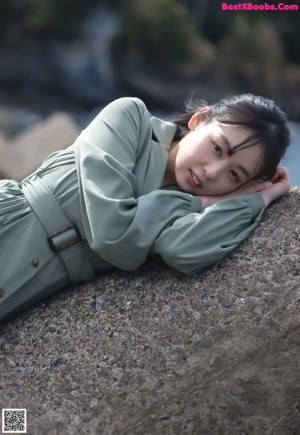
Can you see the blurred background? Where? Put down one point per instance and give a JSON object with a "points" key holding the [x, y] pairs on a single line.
{"points": [[74, 56]]}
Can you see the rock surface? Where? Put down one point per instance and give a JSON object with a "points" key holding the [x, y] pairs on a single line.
{"points": [[156, 352], [23, 154]]}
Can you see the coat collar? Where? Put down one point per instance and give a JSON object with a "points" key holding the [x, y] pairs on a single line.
{"points": [[163, 130], [162, 137]]}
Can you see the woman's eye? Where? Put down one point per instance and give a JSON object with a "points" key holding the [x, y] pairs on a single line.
{"points": [[234, 175], [217, 148]]}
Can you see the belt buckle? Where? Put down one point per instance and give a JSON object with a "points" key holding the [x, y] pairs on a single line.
{"points": [[63, 246]]}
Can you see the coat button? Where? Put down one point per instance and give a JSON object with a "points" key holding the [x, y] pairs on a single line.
{"points": [[2, 293], [35, 263]]}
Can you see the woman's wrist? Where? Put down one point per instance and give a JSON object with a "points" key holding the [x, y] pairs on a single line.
{"points": [[266, 197], [206, 201], [275, 191]]}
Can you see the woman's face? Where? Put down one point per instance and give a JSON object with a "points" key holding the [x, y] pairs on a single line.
{"points": [[202, 163]]}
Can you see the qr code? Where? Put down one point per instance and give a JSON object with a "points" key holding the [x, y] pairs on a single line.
{"points": [[14, 420]]}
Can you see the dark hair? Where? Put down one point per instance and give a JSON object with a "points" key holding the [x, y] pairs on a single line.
{"points": [[266, 121]]}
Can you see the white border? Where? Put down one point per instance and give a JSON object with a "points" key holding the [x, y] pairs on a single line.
{"points": [[14, 409]]}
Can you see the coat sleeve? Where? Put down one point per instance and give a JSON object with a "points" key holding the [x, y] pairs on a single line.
{"points": [[119, 226], [198, 240]]}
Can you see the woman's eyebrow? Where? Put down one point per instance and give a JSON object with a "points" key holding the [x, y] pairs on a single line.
{"points": [[226, 142], [229, 148], [244, 170]]}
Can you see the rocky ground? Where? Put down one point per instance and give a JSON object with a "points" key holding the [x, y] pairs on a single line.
{"points": [[156, 352]]}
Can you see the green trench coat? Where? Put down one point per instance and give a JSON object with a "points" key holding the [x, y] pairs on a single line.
{"points": [[108, 185]]}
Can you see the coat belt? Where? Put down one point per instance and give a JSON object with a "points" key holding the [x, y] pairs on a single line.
{"points": [[63, 236]]}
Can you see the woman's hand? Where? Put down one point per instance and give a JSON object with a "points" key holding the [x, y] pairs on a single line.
{"points": [[270, 190], [280, 185]]}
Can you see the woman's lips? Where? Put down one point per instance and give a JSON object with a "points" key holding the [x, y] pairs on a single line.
{"points": [[193, 180]]}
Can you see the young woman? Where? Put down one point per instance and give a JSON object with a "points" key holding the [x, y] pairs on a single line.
{"points": [[132, 185]]}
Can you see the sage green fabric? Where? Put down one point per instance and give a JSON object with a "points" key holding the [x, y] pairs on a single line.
{"points": [[63, 237], [108, 183]]}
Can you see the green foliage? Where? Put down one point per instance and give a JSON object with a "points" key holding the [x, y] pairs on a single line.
{"points": [[57, 18], [252, 54], [50, 19], [156, 32], [182, 38], [45, 11]]}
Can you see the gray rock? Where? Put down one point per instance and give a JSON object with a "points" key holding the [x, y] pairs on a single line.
{"points": [[156, 352], [23, 154]]}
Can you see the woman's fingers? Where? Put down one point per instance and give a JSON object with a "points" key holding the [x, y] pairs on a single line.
{"points": [[280, 174], [262, 186]]}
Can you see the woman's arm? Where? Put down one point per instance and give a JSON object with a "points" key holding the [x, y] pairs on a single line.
{"points": [[196, 241], [270, 190], [119, 226]]}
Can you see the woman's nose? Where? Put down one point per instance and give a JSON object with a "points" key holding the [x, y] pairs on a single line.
{"points": [[211, 171]]}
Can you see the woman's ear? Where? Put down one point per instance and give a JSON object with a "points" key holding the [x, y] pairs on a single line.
{"points": [[198, 118]]}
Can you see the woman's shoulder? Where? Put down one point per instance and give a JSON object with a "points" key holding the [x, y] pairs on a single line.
{"points": [[132, 105], [126, 112]]}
